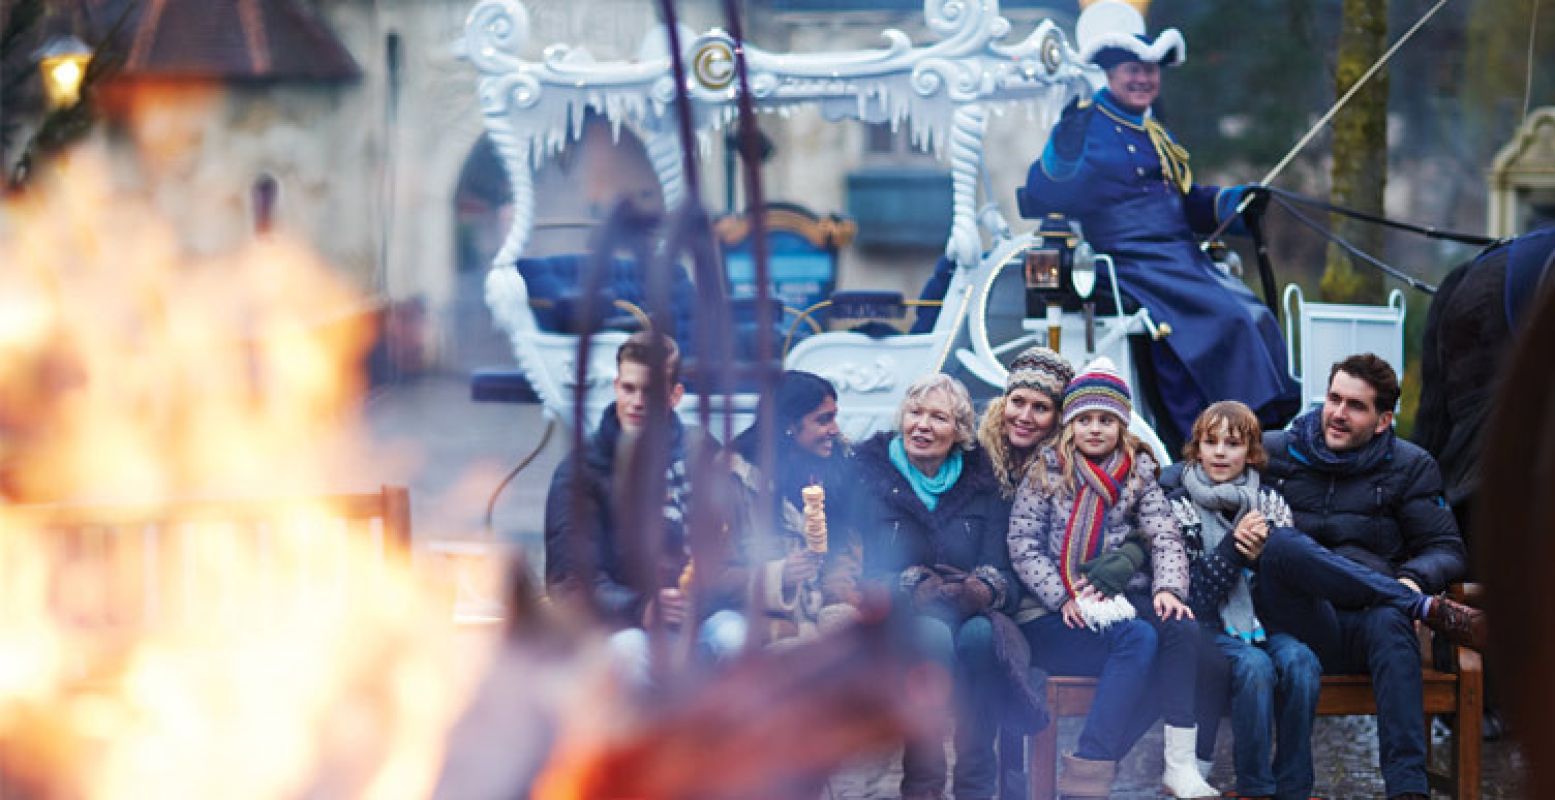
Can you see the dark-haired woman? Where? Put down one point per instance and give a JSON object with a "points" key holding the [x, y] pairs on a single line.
{"points": [[802, 589]]}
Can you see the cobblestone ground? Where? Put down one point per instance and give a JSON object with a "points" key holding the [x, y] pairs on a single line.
{"points": [[452, 453], [1344, 753]]}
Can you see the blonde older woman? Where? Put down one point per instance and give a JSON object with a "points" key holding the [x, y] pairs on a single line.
{"points": [[933, 523]]}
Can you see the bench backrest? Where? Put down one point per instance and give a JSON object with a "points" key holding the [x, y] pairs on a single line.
{"points": [[1331, 332], [127, 565]]}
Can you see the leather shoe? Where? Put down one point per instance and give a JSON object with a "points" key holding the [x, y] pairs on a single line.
{"points": [[1461, 624]]}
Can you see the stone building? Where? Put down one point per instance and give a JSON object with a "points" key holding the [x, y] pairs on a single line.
{"points": [[354, 125]]}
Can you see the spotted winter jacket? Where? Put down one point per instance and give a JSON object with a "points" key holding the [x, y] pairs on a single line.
{"points": [[1041, 512]]}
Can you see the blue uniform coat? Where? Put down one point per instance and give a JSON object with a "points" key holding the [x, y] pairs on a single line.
{"points": [[1225, 344]]}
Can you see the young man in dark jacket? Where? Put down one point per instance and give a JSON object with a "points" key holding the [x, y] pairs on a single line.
{"points": [[1359, 490], [585, 551]]}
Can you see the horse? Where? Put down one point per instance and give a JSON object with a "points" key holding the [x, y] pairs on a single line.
{"points": [[1472, 324]]}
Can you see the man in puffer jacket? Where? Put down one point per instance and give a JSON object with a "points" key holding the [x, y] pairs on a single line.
{"points": [[584, 550], [594, 559], [1361, 491]]}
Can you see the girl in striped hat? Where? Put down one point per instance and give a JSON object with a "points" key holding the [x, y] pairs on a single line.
{"points": [[1086, 524]]}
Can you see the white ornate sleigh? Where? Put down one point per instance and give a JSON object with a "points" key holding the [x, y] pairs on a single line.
{"points": [[943, 92]]}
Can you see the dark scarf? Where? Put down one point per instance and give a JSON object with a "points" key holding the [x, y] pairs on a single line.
{"points": [[676, 485], [1307, 447], [796, 467]]}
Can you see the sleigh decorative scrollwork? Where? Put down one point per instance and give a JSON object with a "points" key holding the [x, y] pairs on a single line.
{"points": [[941, 92]]}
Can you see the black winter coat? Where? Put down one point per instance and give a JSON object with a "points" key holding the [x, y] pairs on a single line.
{"points": [[572, 541], [1392, 517], [966, 530]]}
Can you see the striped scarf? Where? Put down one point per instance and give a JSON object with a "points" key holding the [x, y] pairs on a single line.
{"points": [[677, 491], [1100, 486]]}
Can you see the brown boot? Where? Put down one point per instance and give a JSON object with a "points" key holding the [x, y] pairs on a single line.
{"points": [[1082, 777], [1461, 624]]}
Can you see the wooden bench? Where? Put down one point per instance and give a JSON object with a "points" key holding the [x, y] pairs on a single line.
{"points": [[137, 559], [1459, 693]]}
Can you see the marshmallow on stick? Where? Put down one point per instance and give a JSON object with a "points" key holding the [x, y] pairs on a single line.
{"points": [[686, 576], [814, 518]]}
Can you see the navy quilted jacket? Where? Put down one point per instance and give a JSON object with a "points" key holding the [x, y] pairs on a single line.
{"points": [[1392, 517]]}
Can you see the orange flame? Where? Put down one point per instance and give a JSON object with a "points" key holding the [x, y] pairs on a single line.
{"points": [[195, 657]]}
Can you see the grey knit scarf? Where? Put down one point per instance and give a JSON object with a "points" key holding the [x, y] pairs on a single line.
{"points": [[1215, 500]]}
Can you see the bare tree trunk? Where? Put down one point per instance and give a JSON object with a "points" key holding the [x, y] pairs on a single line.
{"points": [[1360, 168]]}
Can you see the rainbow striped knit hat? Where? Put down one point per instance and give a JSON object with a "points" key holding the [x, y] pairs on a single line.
{"points": [[1098, 388]]}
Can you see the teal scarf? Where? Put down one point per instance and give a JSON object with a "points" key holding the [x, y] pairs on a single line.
{"points": [[928, 489]]}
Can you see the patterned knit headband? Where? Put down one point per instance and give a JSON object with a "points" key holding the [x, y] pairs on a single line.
{"points": [[1041, 369]]}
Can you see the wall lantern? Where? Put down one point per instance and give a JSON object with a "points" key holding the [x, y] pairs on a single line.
{"points": [[62, 63]]}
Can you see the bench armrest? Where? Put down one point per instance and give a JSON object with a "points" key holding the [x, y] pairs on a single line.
{"points": [[1461, 657], [1472, 593]]}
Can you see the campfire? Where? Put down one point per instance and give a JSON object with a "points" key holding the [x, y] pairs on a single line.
{"points": [[184, 614], [153, 645]]}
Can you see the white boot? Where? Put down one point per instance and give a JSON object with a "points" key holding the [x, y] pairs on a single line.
{"points": [[1182, 778]]}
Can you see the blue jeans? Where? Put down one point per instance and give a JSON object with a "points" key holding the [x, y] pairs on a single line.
{"points": [[1144, 668], [1274, 691], [1356, 620], [968, 655], [719, 640]]}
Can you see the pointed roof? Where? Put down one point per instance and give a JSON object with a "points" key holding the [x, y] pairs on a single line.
{"points": [[234, 40]]}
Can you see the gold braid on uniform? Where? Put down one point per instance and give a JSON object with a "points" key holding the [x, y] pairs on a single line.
{"points": [[1174, 157]]}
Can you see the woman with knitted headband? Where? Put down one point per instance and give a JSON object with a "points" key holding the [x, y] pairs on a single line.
{"points": [[1018, 422], [1080, 531], [1015, 425]]}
